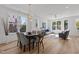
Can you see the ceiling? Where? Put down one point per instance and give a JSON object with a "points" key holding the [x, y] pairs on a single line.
{"points": [[48, 10]]}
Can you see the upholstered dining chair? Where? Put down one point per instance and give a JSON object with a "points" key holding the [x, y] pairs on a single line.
{"points": [[24, 41], [39, 40], [19, 40]]}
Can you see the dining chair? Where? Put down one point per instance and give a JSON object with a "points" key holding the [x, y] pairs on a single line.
{"points": [[39, 40], [19, 40], [24, 41], [41, 36], [33, 32]]}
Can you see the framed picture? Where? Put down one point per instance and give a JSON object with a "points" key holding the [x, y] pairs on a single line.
{"points": [[12, 24]]}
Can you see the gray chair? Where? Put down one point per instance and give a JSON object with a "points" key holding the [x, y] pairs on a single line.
{"points": [[64, 35], [39, 40], [19, 40], [24, 41]]}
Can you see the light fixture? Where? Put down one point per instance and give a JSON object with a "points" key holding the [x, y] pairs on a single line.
{"points": [[30, 17], [29, 12], [66, 7]]}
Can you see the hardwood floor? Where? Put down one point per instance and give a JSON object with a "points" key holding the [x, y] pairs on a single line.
{"points": [[51, 46]]}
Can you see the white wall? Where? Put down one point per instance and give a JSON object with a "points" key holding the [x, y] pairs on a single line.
{"points": [[2, 34], [4, 14]]}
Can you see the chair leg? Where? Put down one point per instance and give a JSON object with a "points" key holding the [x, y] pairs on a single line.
{"points": [[38, 47], [17, 43], [20, 45], [36, 44], [33, 46], [42, 44], [24, 48]]}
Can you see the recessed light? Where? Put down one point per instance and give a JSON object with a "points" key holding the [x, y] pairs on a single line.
{"points": [[66, 7]]}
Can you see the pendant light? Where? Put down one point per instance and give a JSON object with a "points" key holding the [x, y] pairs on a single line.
{"points": [[29, 12]]}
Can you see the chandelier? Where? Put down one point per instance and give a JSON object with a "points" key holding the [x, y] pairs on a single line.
{"points": [[29, 12]]}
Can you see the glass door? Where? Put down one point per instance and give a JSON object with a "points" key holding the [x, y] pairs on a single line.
{"points": [[65, 24]]}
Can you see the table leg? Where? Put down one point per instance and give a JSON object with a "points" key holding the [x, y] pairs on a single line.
{"points": [[29, 45], [38, 44], [38, 47], [33, 46]]}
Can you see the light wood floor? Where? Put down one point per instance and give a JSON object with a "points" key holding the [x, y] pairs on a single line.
{"points": [[51, 46]]}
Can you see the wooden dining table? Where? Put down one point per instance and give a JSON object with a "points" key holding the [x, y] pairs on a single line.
{"points": [[30, 37]]}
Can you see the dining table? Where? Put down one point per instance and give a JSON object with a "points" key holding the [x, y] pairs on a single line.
{"points": [[30, 37]]}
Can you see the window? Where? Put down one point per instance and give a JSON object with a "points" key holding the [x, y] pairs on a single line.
{"points": [[44, 25], [23, 24], [59, 25], [53, 25], [56, 25], [65, 24], [77, 25]]}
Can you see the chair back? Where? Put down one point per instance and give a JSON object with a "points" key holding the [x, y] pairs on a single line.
{"points": [[18, 36], [24, 40], [66, 33], [41, 35], [29, 33], [33, 32]]}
